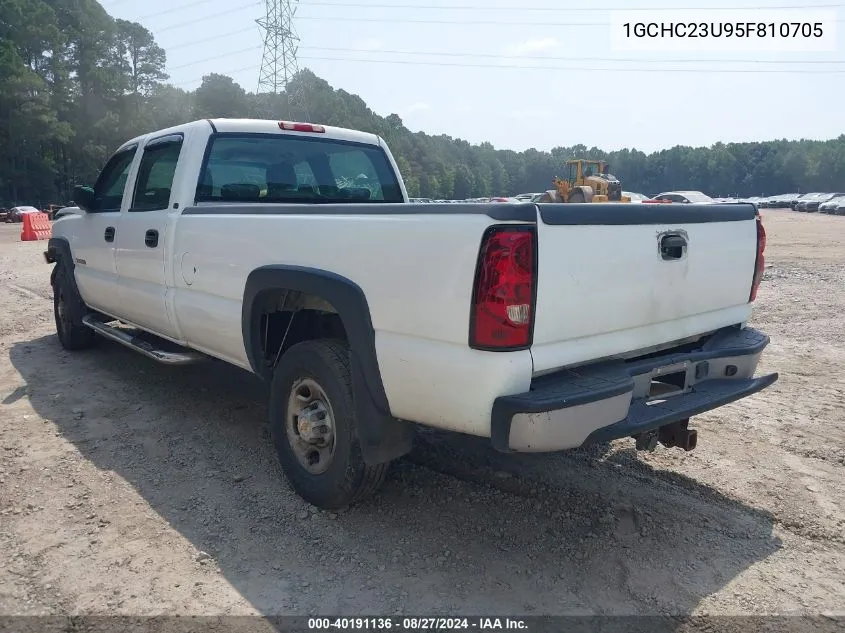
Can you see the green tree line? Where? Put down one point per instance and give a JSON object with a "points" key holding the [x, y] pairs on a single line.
{"points": [[75, 83]]}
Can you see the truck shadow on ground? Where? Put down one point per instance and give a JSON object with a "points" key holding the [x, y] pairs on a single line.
{"points": [[457, 528]]}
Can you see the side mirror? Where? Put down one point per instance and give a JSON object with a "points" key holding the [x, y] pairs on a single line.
{"points": [[84, 197]]}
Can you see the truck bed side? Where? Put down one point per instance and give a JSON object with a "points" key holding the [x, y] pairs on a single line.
{"points": [[415, 264]]}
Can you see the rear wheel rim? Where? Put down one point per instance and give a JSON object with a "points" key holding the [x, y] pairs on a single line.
{"points": [[310, 426], [63, 318]]}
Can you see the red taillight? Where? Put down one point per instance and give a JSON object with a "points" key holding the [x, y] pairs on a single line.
{"points": [[760, 262], [301, 127], [503, 297]]}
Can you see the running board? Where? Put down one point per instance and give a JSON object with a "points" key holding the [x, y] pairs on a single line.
{"points": [[145, 347]]}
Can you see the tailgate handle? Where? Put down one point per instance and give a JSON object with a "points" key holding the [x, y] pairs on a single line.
{"points": [[673, 246]]}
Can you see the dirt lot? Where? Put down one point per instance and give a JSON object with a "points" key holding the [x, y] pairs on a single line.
{"points": [[128, 487]]}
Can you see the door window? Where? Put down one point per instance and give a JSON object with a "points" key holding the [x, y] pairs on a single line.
{"points": [[108, 192], [155, 175]]}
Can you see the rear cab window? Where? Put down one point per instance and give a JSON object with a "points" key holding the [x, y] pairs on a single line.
{"points": [[257, 168]]}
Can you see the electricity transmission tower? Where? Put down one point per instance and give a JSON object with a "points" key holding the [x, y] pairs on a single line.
{"points": [[279, 65]]}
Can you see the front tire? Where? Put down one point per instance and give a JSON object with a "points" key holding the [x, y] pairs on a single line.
{"points": [[68, 310], [315, 429]]}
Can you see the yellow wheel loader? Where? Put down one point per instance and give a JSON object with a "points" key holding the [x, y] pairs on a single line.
{"points": [[586, 181]]}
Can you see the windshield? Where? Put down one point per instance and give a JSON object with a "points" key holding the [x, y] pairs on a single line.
{"points": [[591, 169], [287, 168]]}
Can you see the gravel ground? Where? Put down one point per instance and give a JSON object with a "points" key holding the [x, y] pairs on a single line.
{"points": [[132, 488]]}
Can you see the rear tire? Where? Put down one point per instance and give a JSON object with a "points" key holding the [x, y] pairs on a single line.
{"points": [[315, 429], [68, 310]]}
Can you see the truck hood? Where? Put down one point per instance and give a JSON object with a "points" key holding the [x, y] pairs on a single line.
{"points": [[69, 211]]}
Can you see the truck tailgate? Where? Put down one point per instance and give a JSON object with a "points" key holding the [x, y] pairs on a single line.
{"points": [[616, 278]]}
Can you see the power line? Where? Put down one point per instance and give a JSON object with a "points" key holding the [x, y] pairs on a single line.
{"points": [[212, 58], [546, 68], [239, 8], [636, 70], [575, 59], [193, 42], [229, 73], [196, 3], [478, 7], [522, 57], [464, 23], [210, 16]]}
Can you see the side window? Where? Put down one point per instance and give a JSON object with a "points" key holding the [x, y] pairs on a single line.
{"points": [[108, 191], [155, 175]]}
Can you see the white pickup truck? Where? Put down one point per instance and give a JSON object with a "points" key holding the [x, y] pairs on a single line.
{"points": [[291, 250]]}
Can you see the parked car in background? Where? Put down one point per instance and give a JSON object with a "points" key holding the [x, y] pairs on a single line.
{"points": [[774, 201], [831, 206], [527, 197], [52, 209], [635, 197], [16, 214], [814, 204], [783, 201], [685, 197], [805, 202], [796, 203]]}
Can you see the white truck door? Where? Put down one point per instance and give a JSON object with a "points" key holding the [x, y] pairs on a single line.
{"points": [[93, 244], [141, 248]]}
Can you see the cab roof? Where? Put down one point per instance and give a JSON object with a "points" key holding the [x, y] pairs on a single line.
{"points": [[270, 126], [261, 126]]}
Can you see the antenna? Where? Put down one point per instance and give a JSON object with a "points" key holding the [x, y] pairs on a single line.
{"points": [[278, 64]]}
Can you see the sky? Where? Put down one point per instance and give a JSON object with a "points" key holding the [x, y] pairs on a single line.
{"points": [[530, 73]]}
